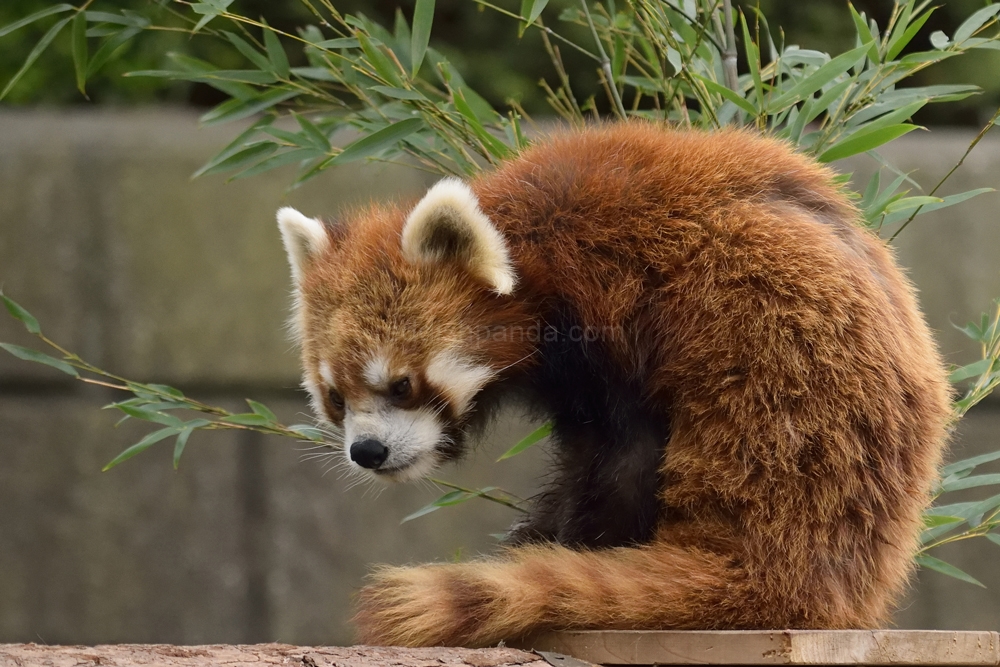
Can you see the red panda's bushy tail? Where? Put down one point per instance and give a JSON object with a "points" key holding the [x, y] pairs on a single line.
{"points": [[532, 588]]}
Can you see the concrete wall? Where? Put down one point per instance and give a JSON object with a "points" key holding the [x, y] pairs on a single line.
{"points": [[127, 261]]}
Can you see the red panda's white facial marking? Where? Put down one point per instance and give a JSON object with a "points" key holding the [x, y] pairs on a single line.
{"points": [[326, 373], [377, 372], [318, 387], [458, 377], [410, 437]]}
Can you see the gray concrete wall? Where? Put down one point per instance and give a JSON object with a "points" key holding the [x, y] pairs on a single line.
{"points": [[127, 261]]}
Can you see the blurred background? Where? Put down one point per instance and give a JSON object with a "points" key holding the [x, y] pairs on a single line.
{"points": [[145, 272]]}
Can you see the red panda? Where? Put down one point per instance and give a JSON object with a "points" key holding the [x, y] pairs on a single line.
{"points": [[748, 409]]}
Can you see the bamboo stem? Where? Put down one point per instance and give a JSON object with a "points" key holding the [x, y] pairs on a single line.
{"points": [[729, 60]]}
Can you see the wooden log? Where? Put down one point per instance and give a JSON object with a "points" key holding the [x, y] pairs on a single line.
{"points": [[564, 649], [781, 647], [259, 655]]}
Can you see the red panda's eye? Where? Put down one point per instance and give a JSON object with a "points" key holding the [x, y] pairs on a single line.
{"points": [[400, 389], [336, 400]]}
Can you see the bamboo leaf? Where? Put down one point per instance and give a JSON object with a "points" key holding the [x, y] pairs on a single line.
{"points": [[339, 43], [141, 446], [247, 419], [971, 482], [975, 22], [193, 69], [168, 390], [534, 10], [423, 18], [969, 464], [27, 354], [399, 93], [970, 511], [150, 415], [865, 35], [449, 499], [236, 145], [826, 100], [903, 19], [235, 75], [931, 563], [126, 19], [896, 99], [275, 53], [79, 47], [237, 109], [496, 148], [143, 403], [308, 432], [910, 203], [376, 142], [423, 511], [316, 74], [37, 16], [894, 117], [871, 191], [950, 200], [22, 315], [970, 371], [935, 520], [728, 94], [243, 158], [317, 136], [249, 51], [933, 533], [453, 498], [39, 49], [540, 433], [179, 446], [381, 62], [753, 60], [816, 80], [209, 9], [897, 44], [262, 410], [108, 48], [865, 142], [279, 160]]}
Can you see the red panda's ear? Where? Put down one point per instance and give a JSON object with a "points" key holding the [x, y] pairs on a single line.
{"points": [[447, 225], [304, 239]]}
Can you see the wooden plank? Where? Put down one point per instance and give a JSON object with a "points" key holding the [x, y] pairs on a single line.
{"points": [[259, 655], [781, 647]]}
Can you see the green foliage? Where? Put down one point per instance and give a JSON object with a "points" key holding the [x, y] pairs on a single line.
{"points": [[671, 62], [459, 495], [533, 438], [155, 403]]}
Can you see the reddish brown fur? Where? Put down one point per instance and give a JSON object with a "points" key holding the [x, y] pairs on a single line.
{"points": [[808, 403]]}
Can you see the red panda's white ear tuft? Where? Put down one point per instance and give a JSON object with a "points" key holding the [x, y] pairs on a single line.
{"points": [[447, 225], [304, 238]]}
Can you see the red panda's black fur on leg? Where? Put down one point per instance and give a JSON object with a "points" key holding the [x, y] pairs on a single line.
{"points": [[750, 441]]}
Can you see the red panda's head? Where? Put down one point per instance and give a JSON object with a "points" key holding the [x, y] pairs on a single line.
{"points": [[397, 313]]}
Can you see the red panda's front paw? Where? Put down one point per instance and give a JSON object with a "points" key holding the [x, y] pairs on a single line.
{"points": [[411, 606]]}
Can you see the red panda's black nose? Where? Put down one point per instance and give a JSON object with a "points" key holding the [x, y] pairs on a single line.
{"points": [[369, 453]]}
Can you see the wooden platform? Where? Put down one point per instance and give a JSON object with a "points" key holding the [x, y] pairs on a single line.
{"points": [[259, 655], [562, 649], [781, 647]]}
